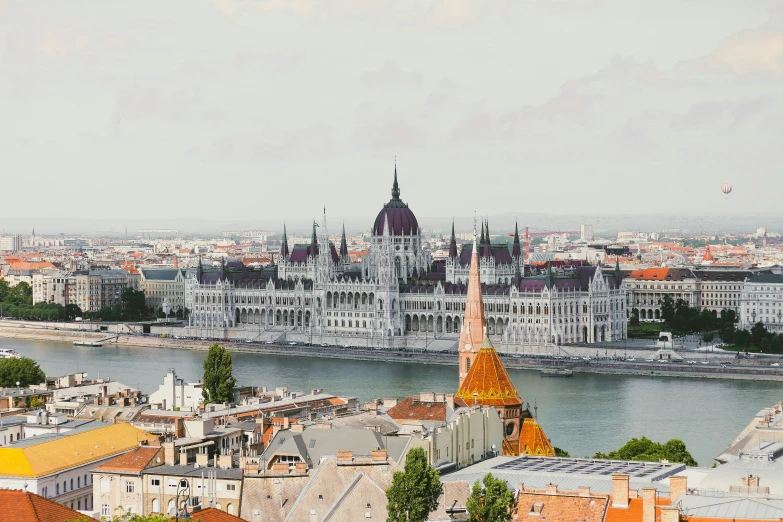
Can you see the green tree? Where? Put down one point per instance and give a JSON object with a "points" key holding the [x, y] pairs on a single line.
{"points": [[490, 500], [647, 450], [708, 337], [667, 309], [23, 370], [757, 333], [218, 379], [414, 492], [72, 311], [559, 452]]}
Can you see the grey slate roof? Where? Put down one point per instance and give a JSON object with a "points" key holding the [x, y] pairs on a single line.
{"points": [[731, 507], [315, 443], [162, 274], [767, 278], [568, 474]]}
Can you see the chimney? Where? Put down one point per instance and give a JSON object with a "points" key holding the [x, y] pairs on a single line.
{"points": [[297, 427], [202, 459], [648, 504], [225, 462], [280, 468], [176, 262], [300, 467], [450, 400], [286, 423], [169, 455], [670, 514], [744, 481], [551, 489], [583, 491], [620, 491], [379, 455], [344, 456], [753, 481], [427, 397], [678, 485], [183, 458]]}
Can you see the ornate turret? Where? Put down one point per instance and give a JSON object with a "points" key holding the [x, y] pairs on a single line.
{"points": [[395, 185], [284, 245], [396, 215], [453, 244], [549, 279]]}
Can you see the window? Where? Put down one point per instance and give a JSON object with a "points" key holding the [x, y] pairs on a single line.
{"points": [[78, 482], [155, 505], [231, 487], [105, 510], [183, 483], [155, 482], [71, 484], [130, 487]]}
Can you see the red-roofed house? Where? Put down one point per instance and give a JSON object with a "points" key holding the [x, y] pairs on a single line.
{"points": [[21, 506]]}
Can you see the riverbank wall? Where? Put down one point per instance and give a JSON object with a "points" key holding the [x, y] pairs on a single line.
{"points": [[747, 370]]}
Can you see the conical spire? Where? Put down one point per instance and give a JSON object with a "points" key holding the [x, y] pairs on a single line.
{"points": [[284, 245], [516, 251], [343, 245], [395, 186], [488, 245], [472, 334], [314, 241], [453, 243], [481, 241]]}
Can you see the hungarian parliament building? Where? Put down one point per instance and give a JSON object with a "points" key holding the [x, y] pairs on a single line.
{"points": [[397, 293]]}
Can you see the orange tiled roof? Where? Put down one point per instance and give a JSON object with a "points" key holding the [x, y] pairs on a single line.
{"points": [[413, 409], [214, 515], [131, 462], [562, 506], [650, 273], [30, 265], [633, 513], [21, 506], [533, 440], [487, 381]]}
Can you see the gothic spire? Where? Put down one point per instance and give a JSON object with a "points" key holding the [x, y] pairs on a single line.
{"points": [[284, 245], [343, 245], [516, 251], [453, 243], [549, 280], [395, 186], [481, 241], [472, 334], [488, 245], [314, 242]]}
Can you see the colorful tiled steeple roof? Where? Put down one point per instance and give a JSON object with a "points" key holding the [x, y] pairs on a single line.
{"points": [[533, 440], [488, 382]]}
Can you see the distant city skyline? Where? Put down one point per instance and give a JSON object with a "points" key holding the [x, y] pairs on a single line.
{"points": [[266, 110]]}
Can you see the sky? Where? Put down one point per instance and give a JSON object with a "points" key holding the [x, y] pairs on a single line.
{"points": [[273, 109]]}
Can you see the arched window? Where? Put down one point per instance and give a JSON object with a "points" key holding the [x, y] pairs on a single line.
{"points": [[230, 509], [171, 510], [155, 505]]}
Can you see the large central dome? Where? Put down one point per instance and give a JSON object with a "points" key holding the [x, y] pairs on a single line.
{"points": [[403, 222]]}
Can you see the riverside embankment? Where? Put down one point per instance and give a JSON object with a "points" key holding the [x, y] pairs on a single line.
{"points": [[702, 365]]}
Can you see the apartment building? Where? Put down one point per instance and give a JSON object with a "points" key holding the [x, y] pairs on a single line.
{"points": [[161, 284], [762, 301], [90, 290]]}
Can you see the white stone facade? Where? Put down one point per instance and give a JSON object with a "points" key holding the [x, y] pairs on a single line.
{"points": [[762, 301]]}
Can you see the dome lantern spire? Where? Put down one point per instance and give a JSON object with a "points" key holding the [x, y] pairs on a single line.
{"points": [[395, 186]]}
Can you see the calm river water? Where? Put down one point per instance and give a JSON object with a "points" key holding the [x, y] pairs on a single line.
{"points": [[583, 414]]}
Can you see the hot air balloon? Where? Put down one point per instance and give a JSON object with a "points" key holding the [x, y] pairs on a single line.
{"points": [[726, 188]]}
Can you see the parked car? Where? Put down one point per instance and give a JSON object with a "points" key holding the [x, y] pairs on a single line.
{"points": [[775, 365], [691, 362]]}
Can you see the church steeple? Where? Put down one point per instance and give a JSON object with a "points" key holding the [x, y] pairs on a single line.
{"points": [[472, 335], [516, 251], [488, 245]]}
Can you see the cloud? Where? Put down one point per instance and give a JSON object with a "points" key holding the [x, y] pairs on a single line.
{"points": [[723, 114], [752, 52], [390, 76], [312, 142], [179, 106], [231, 8]]}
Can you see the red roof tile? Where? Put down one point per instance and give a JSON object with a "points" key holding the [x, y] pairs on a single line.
{"points": [[21, 506], [132, 462], [414, 409], [214, 515]]}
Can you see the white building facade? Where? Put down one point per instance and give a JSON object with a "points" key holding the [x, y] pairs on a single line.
{"points": [[762, 301], [397, 292]]}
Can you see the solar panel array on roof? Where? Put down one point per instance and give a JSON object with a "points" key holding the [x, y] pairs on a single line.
{"points": [[583, 466]]}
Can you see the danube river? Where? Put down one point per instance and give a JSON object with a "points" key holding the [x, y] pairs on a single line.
{"points": [[583, 414]]}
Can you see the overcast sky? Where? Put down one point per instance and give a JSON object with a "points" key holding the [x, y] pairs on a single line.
{"points": [[259, 109]]}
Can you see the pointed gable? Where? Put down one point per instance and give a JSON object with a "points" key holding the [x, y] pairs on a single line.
{"points": [[533, 440]]}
